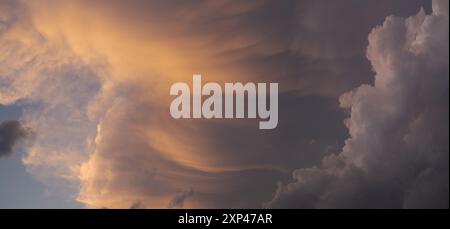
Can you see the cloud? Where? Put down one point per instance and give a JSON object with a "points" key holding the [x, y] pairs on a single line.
{"points": [[11, 132], [142, 154], [55, 90], [397, 153], [136, 205], [93, 79], [178, 200]]}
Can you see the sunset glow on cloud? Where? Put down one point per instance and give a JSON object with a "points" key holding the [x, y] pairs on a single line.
{"points": [[363, 109]]}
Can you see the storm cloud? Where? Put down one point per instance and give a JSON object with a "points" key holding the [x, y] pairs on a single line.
{"points": [[397, 153], [93, 77]]}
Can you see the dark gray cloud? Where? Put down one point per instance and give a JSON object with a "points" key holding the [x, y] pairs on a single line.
{"points": [[178, 200], [136, 205], [11, 132]]}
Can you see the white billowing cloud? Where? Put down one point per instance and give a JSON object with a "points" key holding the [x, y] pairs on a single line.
{"points": [[397, 153], [56, 90]]}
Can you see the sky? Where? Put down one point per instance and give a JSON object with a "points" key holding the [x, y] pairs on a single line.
{"points": [[363, 104]]}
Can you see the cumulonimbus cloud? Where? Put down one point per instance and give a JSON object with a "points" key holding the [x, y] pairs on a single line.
{"points": [[397, 153], [93, 84]]}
